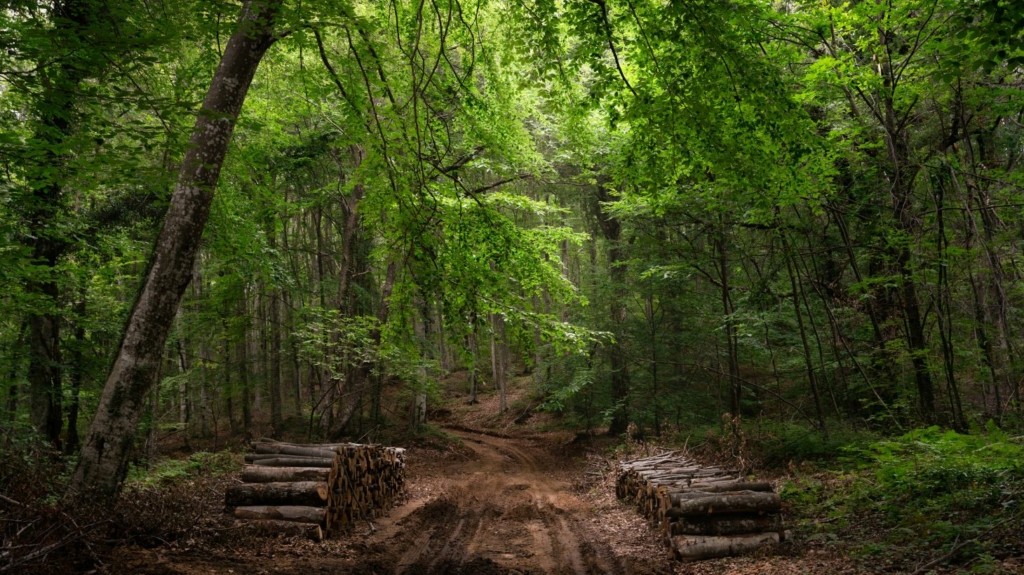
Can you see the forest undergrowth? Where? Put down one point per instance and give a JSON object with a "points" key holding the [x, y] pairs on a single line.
{"points": [[927, 501]]}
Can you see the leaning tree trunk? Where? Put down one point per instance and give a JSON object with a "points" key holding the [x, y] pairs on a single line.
{"points": [[104, 457]]}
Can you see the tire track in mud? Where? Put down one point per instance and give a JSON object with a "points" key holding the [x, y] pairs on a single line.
{"points": [[509, 510]]}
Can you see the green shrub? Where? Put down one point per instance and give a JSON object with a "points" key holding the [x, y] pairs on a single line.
{"points": [[782, 443], [932, 466], [776, 444], [928, 494]]}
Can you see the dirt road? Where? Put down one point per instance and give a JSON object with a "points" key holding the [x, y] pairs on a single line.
{"points": [[509, 509], [498, 505]]}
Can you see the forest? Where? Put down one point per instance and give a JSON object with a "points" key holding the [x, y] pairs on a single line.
{"points": [[785, 235]]}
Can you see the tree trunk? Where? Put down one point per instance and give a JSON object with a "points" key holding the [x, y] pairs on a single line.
{"points": [[229, 389], [243, 366], [276, 528], [812, 378], [611, 229], [976, 194], [916, 340], [273, 321], [727, 525], [981, 314], [902, 174], [499, 361], [945, 309], [471, 343], [732, 344], [12, 373], [881, 363], [699, 504], [274, 377], [44, 371], [279, 460], [77, 377], [184, 412], [55, 113], [421, 334], [104, 459], [296, 391], [349, 266]]}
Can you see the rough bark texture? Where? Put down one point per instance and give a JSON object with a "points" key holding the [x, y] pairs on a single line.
{"points": [[739, 502], [311, 493], [289, 461], [263, 474], [694, 547], [701, 511], [296, 513], [105, 452], [726, 525]]}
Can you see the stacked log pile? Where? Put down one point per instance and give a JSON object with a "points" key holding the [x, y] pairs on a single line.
{"points": [[365, 480], [314, 490], [702, 511]]}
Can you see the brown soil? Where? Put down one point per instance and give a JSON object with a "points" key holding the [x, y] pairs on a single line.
{"points": [[507, 510], [510, 499], [500, 506]]}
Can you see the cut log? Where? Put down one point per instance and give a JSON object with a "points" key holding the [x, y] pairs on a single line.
{"points": [[296, 513], [266, 474], [365, 481], [702, 511], [269, 441], [311, 493], [277, 460], [722, 487], [694, 547], [726, 524], [269, 447], [285, 529], [735, 502], [327, 452], [333, 485]]}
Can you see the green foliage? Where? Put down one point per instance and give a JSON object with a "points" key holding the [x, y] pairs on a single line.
{"points": [[783, 443], [957, 470], [560, 398], [334, 342], [953, 492], [32, 472], [745, 153], [167, 471]]}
